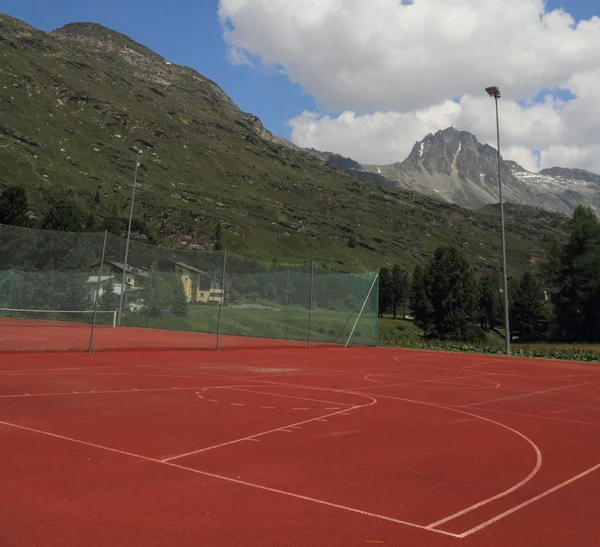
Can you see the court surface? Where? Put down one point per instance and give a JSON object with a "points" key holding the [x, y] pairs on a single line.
{"points": [[297, 447]]}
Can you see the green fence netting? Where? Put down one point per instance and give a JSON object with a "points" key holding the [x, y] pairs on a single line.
{"points": [[147, 296]]}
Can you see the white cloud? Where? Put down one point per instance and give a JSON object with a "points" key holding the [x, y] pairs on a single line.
{"points": [[238, 57], [383, 137], [391, 68]]}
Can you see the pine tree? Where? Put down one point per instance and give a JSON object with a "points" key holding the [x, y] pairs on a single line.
{"points": [[63, 215], [399, 288], [572, 272], [14, 206], [528, 313], [419, 303], [180, 305], [109, 301], [490, 302], [450, 289], [385, 291]]}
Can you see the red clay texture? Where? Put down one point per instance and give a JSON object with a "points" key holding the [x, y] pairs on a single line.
{"points": [[297, 447]]}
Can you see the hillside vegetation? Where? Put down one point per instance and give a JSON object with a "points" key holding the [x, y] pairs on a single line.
{"points": [[76, 102]]}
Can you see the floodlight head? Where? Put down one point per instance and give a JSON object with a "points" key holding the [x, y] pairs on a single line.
{"points": [[494, 91]]}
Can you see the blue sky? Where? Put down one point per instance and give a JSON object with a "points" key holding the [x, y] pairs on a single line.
{"points": [[188, 32]]}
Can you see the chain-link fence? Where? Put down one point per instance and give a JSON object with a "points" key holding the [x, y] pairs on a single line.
{"points": [[63, 291]]}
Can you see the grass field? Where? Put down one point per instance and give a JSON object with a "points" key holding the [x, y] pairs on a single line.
{"points": [[405, 334], [271, 322]]}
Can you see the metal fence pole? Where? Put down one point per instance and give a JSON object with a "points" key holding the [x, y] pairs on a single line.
{"points": [[362, 309], [150, 305], [287, 304], [310, 304], [222, 300], [122, 296], [376, 300], [97, 295]]}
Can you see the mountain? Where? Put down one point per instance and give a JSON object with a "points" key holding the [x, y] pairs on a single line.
{"points": [[454, 167], [75, 103]]}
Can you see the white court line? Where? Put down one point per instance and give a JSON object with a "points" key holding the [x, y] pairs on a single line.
{"points": [[263, 433], [36, 370], [528, 502], [416, 383], [526, 395], [233, 388], [236, 404], [232, 480], [510, 490], [554, 419], [268, 407], [96, 392]]}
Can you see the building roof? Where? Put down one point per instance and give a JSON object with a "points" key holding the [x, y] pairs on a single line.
{"points": [[105, 278], [192, 269], [139, 270]]}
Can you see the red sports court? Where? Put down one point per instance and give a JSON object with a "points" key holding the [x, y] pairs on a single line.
{"points": [[290, 446]]}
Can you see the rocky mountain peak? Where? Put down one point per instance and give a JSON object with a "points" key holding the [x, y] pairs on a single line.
{"points": [[100, 37], [572, 174]]}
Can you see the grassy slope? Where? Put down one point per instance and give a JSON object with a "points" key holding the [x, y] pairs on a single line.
{"points": [[73, 104]]}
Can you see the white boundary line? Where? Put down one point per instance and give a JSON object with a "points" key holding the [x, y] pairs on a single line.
{"points": [[417, 382], [97, 392], [528, 502], [233, 388], [510, 490], [235, 481], [263, 433], [526, 395], [537, 416]]}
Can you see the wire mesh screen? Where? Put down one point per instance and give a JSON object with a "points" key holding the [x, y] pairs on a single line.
{"points": [[155, 297]]}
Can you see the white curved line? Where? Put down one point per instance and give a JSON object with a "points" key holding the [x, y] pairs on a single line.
{"points": [[419, 383], [510, 490]]}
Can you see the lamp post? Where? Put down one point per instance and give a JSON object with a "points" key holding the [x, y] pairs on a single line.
{"points": [[137, 163], [494, 92]]}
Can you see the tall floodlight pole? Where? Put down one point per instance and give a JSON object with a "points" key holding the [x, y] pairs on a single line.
{"points": [[494, 92], [137, 164]]}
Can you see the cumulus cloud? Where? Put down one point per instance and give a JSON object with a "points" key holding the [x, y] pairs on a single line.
{"points": [[378, 138], [391, 68]]}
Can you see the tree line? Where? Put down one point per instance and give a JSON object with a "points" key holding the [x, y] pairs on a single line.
{"points": [[63, 213], [560, 301]]}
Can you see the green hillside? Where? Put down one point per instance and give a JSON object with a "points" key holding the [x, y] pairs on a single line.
{"points": [[74, 103]]}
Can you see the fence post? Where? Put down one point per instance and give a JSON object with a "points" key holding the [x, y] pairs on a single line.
{"points": [[150, 305], [222, 300], [310, 304], [97, 295], [287, 304], [362, 309]]}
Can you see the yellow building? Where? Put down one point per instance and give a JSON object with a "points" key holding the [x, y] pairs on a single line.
{"points": [[199, 287]]}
